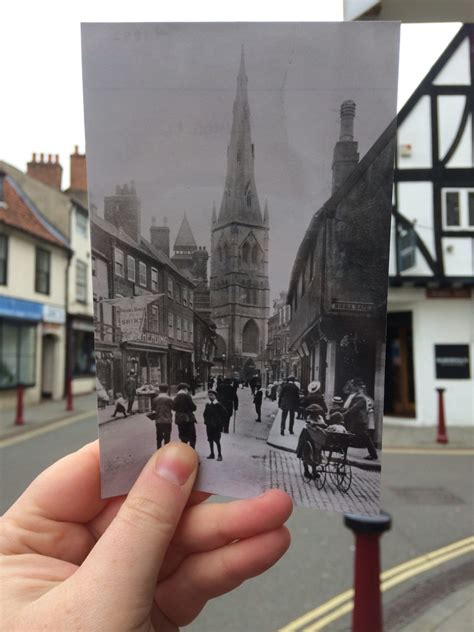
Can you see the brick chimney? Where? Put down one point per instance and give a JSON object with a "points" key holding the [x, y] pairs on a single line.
{"points": [[78, 172], [346, 156], [46, 171], [160, 236]]}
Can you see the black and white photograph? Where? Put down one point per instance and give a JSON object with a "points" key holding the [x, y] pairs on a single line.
{"points": [[240, 192]]}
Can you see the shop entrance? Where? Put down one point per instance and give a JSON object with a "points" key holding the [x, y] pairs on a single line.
{"points": [[399, 374], [48, 365]]}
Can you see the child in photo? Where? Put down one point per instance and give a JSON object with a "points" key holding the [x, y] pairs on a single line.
{"points": [[215, 416], [120, 406]]}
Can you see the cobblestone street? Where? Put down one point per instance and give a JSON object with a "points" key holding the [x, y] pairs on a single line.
{"points": [[249, 466]]}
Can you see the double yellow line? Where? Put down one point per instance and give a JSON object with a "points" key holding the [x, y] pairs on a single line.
{"points": [[343, 603]]}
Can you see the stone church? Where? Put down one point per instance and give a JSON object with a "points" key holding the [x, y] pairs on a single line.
{"points": [[239, 286]]}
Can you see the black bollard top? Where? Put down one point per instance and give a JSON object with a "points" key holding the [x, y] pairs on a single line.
{"points": [[368, 524]]}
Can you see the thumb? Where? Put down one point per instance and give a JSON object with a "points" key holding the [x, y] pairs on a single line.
{"points": [[131, 551]]}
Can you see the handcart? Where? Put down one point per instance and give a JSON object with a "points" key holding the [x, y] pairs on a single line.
{"points": [[324, 454]]}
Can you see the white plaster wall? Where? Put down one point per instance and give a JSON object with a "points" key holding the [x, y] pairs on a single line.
{"points": [[438, 321], [458, 256], [415, 202], [457, 70], [21, 271], [416, 131]]}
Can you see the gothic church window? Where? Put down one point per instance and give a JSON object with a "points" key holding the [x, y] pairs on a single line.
{"points": [[250, 337], [245, 253], [255, 254]]}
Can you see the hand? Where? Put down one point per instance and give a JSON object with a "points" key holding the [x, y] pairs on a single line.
{"points": [[148, 561]]}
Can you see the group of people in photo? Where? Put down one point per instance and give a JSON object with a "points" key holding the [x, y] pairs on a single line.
{"points": [[353, 412]]}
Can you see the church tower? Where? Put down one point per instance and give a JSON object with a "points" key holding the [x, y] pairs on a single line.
{"points": [[240, 293]]}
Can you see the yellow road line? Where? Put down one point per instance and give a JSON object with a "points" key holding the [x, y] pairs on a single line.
{"points": [[36, 432], [398, 579], [436, 451], [401, 569]]}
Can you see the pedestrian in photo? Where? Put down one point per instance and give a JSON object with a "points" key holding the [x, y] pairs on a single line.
{"points": [[274, 391], [184, 418], [120, 404], [227, 395], [215, 416], [130, 390], [257, 400], [314, 396], [315, 420], [356, 416], [163, 405], [289, 402], [337, 405]]}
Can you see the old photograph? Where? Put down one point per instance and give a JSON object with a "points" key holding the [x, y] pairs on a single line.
{"points": [[240, 190]]}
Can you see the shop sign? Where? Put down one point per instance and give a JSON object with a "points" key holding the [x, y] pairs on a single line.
{"points": [[448, 292], [452, 362], [82, 325], [52, 314], [406, 248], [18, 308], [351, 306], [154, 339]]}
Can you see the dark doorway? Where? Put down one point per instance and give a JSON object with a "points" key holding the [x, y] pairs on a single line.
{"points": [[399, 375]]}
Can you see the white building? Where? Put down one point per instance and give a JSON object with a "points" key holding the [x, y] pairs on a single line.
{"points": [[430, 341], [34, 259]]}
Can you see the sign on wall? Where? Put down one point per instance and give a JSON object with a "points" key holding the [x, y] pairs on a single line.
{"points": [[452, 362]]}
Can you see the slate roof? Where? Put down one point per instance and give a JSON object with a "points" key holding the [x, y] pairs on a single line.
{"points": [[185, 237]]}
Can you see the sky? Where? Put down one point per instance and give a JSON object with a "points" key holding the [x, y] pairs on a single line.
{"points": [[42, 79]]}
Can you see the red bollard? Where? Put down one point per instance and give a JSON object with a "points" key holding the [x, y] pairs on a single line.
{"points": [[367, 613], [69, 404], [442, 436], [19, 420]]}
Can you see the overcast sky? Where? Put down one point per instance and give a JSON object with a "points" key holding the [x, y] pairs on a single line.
{"points": [[43, 110], [158, 104]]}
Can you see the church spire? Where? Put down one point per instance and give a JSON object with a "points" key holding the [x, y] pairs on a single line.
{"points": [[214, 214], [240, 200], [185, 238]]}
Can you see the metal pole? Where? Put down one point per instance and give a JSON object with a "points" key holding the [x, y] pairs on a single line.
{"points": [[442, 436], [19, 420], [367, 613]]}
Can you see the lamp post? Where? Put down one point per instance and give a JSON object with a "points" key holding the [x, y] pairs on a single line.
{"points": [[223, 358]]}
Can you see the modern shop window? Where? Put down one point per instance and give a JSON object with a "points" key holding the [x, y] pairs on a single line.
{"points": [[142, 273], [154, 280], [83, 354], [131, 273], [17, 354], [118, 260], [81, 223], [3, 259], [42, 271], [81, 282]]}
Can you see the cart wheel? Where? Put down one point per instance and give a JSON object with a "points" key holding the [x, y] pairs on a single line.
{"points": [[307, 463], [333, 465], [344, 477], [320, 470]]}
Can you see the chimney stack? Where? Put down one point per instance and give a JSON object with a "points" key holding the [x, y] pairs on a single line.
{"points": [[78, 172], [160, 236], [346, 156], [47, 172]]}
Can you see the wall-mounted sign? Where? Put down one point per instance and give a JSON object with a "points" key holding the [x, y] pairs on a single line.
{"points": [[406, 244], [52, 314], [351, 306], [452, 362], [448, 292], [18, 308]]}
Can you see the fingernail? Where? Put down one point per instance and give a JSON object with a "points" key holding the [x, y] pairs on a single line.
{"points": [[175, 463]]}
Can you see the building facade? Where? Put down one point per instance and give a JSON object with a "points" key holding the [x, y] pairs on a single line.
{"points": [[279, 364], [239, 253], [430, 332], [34, 261], [338, 286]]}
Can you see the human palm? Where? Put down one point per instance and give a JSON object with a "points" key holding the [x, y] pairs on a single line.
{"points": [[149, 561]]}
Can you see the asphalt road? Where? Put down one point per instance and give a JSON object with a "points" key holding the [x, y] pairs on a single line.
{"points": [[429, 496]]}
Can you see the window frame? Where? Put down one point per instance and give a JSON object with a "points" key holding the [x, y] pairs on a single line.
{"points": [[154, 281], [81, 298], [171, 325], [131, 278], [464, 195], [42, 251], [4, 260], [81, 229], [19, 325], [142, 267], [117, 262]]}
